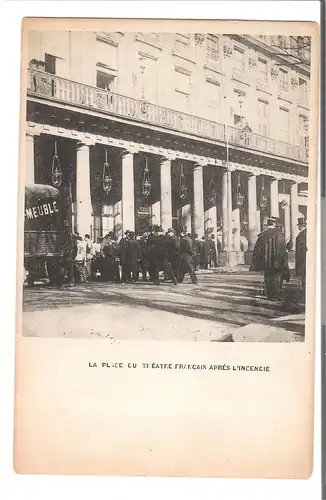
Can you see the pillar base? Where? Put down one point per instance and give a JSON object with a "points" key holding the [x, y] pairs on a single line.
{"points": [[248, 257], [231, 259]]}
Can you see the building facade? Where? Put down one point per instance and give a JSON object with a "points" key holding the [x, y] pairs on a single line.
{"points": [[206, 132]]}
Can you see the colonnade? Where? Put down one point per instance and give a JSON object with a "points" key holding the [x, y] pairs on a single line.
{"points": [[197, 212]]}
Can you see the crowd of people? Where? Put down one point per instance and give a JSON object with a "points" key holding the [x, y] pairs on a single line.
{"points": [[139, 256]]}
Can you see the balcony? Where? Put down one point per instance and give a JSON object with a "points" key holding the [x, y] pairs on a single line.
{"points": [[54, 88]]}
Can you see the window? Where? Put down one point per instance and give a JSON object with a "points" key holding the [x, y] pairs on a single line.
{"points": [[182, 41], [212, 47], [212, 91], [284, 80], [263, 126], [303, 131], [237, 119], [182, 79], [262, 70], [104, 80], [50, 64], [303, 90], [238, 59], [284, 124]]}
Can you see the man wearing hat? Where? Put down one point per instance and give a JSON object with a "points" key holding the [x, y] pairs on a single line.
{"points": [[123, 255], [159, 257], [173, 251], [132, 258], [110, 251], [186, 258], [269, 256], [301, 251]]}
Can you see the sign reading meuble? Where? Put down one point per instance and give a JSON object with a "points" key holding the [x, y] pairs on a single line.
{"points": [[45, 209]]}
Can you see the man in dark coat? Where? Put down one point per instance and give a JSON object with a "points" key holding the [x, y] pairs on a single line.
{"points": [[173, 251], [186, 258], [110, 263], [197, 251], [301, 251], [204, 253], [123, 255], [132, 258], [269, 256], [212, 251], [159, 256], [144, 256]]}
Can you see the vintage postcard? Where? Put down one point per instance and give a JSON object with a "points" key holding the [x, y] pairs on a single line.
{"points": [[167, 248]]}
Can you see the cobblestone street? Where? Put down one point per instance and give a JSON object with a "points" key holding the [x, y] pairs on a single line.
{"points": [[223, 307]]}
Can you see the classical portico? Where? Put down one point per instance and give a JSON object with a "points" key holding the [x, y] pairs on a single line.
{"points": [[235, 213]]}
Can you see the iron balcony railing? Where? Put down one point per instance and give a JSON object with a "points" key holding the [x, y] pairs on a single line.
{"points": [[55, 88]]}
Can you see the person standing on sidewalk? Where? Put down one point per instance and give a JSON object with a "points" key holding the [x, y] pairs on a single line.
{"points": [[187, 258], [173, 251], [159, 257], [204, 253], [89, 256], [80, 261], [301, 251], [197, 244], [269, 255], [212, 251]]}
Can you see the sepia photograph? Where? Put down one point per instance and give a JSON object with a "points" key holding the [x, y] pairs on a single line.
{"points": [[166, 186], [166, 248]]}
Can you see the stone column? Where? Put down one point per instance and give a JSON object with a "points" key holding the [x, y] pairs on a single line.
{"points": [[229, 210], [287, 223], [83, 190], [29, 159], [166, 194], [225, 211], [275, 212], [128, 195], [252, 212], [198, 200], [294, 211]]}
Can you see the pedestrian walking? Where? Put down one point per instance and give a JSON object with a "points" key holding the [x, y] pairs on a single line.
{"points": [[204, 253], [174, 252], [269, 256], [301, 252], [186, 258]]}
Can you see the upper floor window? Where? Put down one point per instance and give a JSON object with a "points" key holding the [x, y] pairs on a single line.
{"points": [[182, 80], [263, 124], [303, 90], [50, 64], [213, 94], [104, 80], [238, 59], [284, 80], [182, 40], [212, 47], [284, 124], [262, 70]]}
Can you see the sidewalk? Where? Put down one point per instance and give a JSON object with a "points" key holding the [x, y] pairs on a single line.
{"points": [[285, 330]]}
